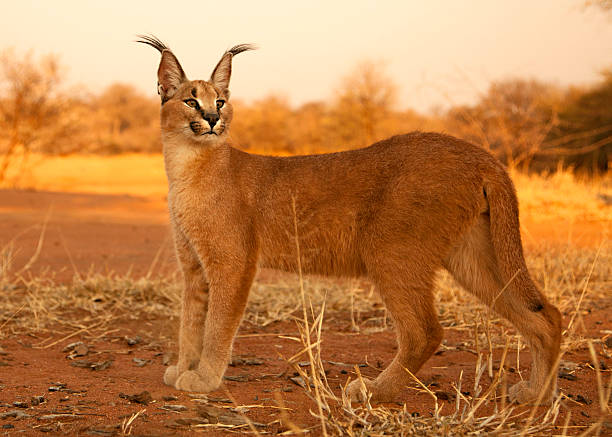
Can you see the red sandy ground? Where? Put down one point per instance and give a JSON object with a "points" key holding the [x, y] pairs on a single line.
{"points": [[125, 234]]}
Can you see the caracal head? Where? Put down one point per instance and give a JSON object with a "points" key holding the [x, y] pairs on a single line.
{"points": [[194, 111]]}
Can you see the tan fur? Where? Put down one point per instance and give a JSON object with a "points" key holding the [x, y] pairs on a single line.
{"points": [[395, 212]]}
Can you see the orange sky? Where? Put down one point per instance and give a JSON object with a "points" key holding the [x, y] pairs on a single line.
{"points": [[438, 52]]}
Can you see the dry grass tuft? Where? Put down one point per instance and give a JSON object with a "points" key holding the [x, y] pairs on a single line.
{"points": [[574, 278], [560, 194]]}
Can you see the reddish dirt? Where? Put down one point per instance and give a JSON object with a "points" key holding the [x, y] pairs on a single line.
{"points": [[126, 234]]}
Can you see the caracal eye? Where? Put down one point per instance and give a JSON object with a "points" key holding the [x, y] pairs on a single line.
{"points": [[192, 103], [220, 103]]}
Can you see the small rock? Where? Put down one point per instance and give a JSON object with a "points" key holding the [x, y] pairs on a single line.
{"points": [[298, 380], [220, 400], [246, 361], [170, 398], [3, 352], [338, 363], [4, 364], [220, 415], [609, 341], [444, 396], [583, 400], [57, 386], [139, 398], [132, 341], [58, 416], [17, 414], [8, 426], [569, 376], [37, 400], [188, 421], [105, 431], [78, 349], [237, 378], [174, 407], [140, 362], [102, 365]]}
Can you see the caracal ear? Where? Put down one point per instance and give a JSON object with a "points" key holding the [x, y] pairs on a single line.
{"points": [[220, 76], [170, 74]]}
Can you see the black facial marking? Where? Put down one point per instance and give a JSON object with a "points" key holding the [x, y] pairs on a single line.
{"points": [[536, 307], [193, 92], [196, 127]]}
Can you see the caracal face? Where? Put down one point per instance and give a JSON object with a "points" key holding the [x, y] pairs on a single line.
{"points": [[198, 112]]}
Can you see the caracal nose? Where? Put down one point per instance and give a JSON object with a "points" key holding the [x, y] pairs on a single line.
{"points": [[212, 118]]}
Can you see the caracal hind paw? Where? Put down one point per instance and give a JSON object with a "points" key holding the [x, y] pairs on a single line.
{"points": [[523, 393], [171, 375], [191, 380]]}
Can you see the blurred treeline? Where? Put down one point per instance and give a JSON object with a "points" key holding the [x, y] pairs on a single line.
{"points": [[529, 125]]}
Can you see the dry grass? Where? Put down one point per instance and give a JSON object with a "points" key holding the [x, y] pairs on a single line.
{"points": [[576, 280], [338, 416], [34, 304], [561, 195], [135, 174]]}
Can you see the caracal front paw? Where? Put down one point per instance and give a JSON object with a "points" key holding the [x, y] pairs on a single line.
{"points": [[523, 393], [191, 380], [171, 375]]}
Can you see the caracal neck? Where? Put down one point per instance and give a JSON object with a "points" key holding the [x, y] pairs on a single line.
{"points": [[187, 162]]}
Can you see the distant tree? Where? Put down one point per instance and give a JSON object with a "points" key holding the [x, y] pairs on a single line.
{"points": [[33, 111], [309, 126], [583, 136], [263, 126], [124, 121], [604, 5], [511, 120], [366, 97]]}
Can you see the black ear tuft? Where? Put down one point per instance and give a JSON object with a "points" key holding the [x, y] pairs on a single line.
{"points": [[170, 74], [152, 41], [220, 76]]}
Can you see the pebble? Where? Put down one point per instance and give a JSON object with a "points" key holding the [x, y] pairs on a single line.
{"points": [[17, 414], [37, 400], [174, 407]]}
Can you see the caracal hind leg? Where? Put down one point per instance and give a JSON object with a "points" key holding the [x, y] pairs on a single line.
{"points": [[408, 297], [474, 265], [193, 310], [230, 282]]}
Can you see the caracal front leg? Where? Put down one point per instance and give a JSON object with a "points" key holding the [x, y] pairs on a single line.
{"points": [[230, 281], [193, 309]]}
